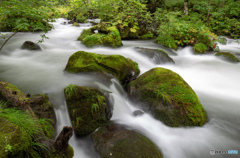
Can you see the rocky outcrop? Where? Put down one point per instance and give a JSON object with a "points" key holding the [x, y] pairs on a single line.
{"points": [[116, 141], [227, 57], [88, 108], [42, 108], [101, 34], [158, 56], [30, 46], [122, 68], [168, 98]]}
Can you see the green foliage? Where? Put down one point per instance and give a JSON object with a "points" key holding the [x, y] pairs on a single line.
{"points": [[47, 127], [71, 90], [29, 131], [179, 29], [200, 48]]}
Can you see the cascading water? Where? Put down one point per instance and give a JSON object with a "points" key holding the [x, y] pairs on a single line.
{"points": [[216, 83]]}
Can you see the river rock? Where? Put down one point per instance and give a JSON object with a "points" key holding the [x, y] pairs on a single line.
{"points": [[138, 113], [168, 98], [227, 57], [122, 68], [43, 108], [76, 24], [106, 35], [116, 141], [158, 56], [30, 46], [88, 108]]}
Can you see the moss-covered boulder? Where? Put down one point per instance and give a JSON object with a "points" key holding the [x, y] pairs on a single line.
{"points": [[14, 141], [227, 57], [200, 48], [12, 95], [115, 141], [166, 41], [168, 97], [30, 46], [76, 24], [122, 68], [88, 108], [158, 56], [101, 34], [43, 108]]}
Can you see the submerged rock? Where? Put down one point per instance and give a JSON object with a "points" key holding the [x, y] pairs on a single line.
{"points": [[76, 24], [168, 97], [116, 141], [138, 113], [122, 68], [30, 46], [158, 56], [227, 57], [107, 36], [88, 108]]}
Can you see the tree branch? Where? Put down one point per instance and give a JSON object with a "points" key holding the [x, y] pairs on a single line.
{"points": [[8, 39]]}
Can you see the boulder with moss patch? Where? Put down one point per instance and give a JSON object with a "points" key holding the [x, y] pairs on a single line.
{"points": [[43, 108], [158, 56], [116, 141], [76, 24], [107, 36], [88, 108], [227, 57], [122, 68], [200, 48], [30, 46], [168, 97]]}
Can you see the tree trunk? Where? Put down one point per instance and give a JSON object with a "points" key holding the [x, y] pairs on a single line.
{"points": [[209, 3], [61, 142], [186, 7]]}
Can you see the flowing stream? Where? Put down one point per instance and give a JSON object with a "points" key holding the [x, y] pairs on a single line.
{"points": [[215, 81]]}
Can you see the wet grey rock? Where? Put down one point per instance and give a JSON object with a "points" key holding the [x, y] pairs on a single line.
{"points": [[30, 46], [138, 113], [158, 56]]}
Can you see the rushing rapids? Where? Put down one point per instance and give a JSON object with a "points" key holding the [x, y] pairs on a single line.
{"points": [[216, 83]]}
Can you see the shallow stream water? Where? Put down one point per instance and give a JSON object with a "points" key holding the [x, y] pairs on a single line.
{"points": [[215, 81]]}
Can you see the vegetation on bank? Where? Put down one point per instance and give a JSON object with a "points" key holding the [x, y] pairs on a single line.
{"points": [[143, 19]]}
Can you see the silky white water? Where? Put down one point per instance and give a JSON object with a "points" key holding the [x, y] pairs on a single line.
{"points": [[215, 81]]}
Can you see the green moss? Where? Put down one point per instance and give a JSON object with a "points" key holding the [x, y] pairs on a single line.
{"points": [[116, 65], [149, 35], [84, 34], [169, 98], [107, 36], [69, 153], [84, 117], [76, 24], [227, 56], [200, 48], [167, 41], [135, 146]]}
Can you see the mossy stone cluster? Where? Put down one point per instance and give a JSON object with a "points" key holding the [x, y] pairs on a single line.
{"points": [[115, 141], [200, 48], [122, 68], [107, 36], [227, 56], [168, 97], [88, 108]]}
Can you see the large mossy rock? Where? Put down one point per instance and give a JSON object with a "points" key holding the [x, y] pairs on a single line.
{"points": [[166, 41], [158, 56], [227, 57], [43, 108], [13, 97], [106, 35], [88, 108], [122, 68], [168, 97], [14, 141], [115, 141]]}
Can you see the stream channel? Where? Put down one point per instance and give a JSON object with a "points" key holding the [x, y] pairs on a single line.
{"points": [[216, 82]]}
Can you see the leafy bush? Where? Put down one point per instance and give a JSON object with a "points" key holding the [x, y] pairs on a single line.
{"points": [[182, 30]]}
